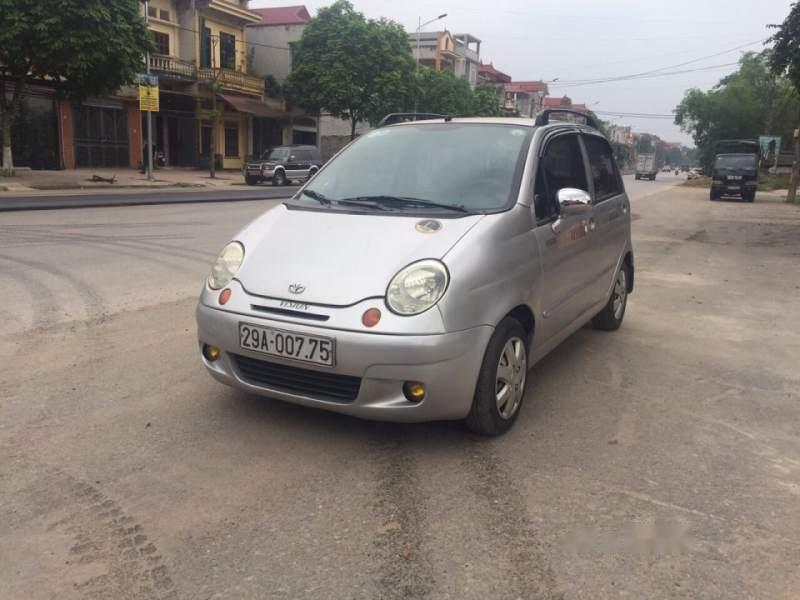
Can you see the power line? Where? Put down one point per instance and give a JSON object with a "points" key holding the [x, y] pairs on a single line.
{"points": [[638, 77], [653, 71]]}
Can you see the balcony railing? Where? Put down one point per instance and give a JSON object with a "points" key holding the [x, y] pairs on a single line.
{"points": [[233, 80], [170, 66]]}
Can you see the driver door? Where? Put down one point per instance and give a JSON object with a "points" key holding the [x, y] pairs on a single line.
{"points": [[564, 243]]}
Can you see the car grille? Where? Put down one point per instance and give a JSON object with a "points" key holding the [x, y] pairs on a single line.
{"points": [[294, 380]]}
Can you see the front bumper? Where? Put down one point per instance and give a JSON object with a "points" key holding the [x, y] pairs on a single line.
{"points": [[734, 188], [257, 171], [447, 364]]}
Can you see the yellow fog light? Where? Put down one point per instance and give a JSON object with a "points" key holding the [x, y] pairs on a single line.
{"points": [[211, 353], [414, 391]]}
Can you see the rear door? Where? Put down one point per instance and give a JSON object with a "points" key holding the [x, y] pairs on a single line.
{"points": [[564, 251], [610, 214], [295, 163]]}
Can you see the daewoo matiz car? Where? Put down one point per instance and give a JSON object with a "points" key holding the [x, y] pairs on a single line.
{"points": [[423, 271]]}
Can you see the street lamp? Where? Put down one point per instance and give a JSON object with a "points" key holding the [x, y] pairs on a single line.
{"points": [[419, 30]]}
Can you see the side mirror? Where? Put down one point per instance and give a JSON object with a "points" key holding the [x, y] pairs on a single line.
{"points": [[573, 202]]}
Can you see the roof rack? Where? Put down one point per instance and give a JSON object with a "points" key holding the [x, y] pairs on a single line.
{"points": [[543, 118], [414, 116]]}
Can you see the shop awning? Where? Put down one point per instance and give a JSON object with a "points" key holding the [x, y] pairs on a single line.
{"points": [[253, 107]]}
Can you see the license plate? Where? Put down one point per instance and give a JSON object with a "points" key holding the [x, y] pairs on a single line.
{"points": [[286, 344], [733, 188]]}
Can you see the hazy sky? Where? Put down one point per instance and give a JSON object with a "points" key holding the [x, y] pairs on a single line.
{"points": [[591, 39]]}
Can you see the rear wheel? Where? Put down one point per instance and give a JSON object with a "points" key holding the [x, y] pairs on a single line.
{"points": [[279, 178], [311, 173], [610, 318], [501, 380]]}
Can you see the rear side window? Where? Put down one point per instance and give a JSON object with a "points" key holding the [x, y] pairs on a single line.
{"points": [[604, 173], [560, 167]]}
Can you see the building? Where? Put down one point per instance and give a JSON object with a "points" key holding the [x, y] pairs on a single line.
{"points": [[202, 59], [270, 44], [524, 98], [564, 102], [271, 39], [468, 57], [620, 134], [440, 50], [436, 49], [488, 75]]}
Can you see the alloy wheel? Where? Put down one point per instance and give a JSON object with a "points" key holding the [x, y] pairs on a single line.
{"points": [[512, 370]]}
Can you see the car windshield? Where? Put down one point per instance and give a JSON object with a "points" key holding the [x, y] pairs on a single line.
{"points": [[471, 166], [278, 154], [745, 161]]}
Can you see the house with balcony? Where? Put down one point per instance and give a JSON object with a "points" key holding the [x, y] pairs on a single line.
{"points": [[468, 57], [271, 41], [435, 49], [201, 62]]}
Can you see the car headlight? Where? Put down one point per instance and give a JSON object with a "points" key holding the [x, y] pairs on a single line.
{"points": [[417, 287], [226, 266]]}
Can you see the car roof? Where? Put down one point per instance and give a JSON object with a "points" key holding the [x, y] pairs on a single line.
{"points": [[517, 121]]}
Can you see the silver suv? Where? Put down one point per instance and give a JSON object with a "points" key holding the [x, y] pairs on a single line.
{"points": [[424, 271]]}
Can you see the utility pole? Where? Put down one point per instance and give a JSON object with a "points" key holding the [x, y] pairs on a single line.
{"points": [[149, 162], [792, 196], [420, 25]]}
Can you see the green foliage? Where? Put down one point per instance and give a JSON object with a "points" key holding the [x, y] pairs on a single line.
{"points": [[351, 67], [623, 154], [442, 92], [784, 60], [272, 88], [752, 101], [485, 102], [86, 47]]}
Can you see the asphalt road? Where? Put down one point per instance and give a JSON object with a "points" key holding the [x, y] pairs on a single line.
{"points": [[660, 461]]}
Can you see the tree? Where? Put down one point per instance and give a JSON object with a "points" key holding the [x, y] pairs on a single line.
{"points": [[784, 60], [443, 93], [750, 102], [83, 47], [485, 102], [351, 67]]}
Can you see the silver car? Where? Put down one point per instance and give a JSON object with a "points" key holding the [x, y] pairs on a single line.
{"points": [[424, 271]]}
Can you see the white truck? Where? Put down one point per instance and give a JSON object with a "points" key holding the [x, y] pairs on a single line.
{"points": [[646, 167]]}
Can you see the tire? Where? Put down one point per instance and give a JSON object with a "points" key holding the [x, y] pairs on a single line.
{"points": [[751, 197], [251, 180], [311, 173], [506, 356], [610, 318], [637, 177], [714, 195], [279, 178]]}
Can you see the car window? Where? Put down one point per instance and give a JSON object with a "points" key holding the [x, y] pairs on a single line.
{"points": [[604, 172], [560, 167], [736, 162], [475, 166], [279, 154]]}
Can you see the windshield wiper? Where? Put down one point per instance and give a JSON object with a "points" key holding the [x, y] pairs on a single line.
{"points": [[321, 198], [404, 201]]}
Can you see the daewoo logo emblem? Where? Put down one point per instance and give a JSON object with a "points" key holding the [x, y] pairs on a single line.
{"points": [[297, 288]]}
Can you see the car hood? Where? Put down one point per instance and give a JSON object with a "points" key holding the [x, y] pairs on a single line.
{"points": [[337, 258]]}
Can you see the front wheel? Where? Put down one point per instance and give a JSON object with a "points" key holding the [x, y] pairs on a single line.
{"points": [[279, 178], [610, 318], [501, 380], [249, 180]]}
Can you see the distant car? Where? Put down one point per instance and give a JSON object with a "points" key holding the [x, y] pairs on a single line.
{"points": [[695, 173], [735, 175], [283, 163], [666, 169]]}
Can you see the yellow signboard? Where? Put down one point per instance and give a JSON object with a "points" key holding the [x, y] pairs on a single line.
{"points": [[148, 98]]}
